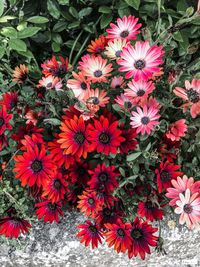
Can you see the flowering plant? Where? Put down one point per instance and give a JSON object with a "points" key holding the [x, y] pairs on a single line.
{"points": [[114, 138]]}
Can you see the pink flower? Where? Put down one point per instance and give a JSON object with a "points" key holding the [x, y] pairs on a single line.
{"points": [[50, 82], [126, 28], [191, 95], [117, 82], [189, 207], [79, 85], [179, 186], [122, 99], [177, 130], [139, 91], [96, 97], [95, 68], [140, 61], [145, 119]]}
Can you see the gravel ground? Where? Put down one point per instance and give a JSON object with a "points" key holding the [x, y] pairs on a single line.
{"points": [[56, 246]]}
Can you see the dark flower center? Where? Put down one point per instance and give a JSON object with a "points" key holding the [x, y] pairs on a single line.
{"points": [[52, 206], [63, 170], [104, 138], [94, 100], [103, 177], [188, 208], [118, 86], [36, 166], [145, 120], [23, 77], [99, 50], [91, 201], [136, 233], [124, 34], [49, 85], [140, 92], [2, 121], [118, 53], [149, 205], [79, 138], [13, 103], [107, 212], [193, 95], [81, 171], [139, 64], [165, 176], [59, 72], [129, 104], [98, 73], [92, 229], [57, 184], [83, 86], [120, 232]]}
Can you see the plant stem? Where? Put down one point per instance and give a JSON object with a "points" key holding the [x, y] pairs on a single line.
{"points": [[74, 45], [81, 50]]}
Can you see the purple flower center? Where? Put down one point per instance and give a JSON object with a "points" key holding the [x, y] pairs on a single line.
{"points": [[120, 232], [104, 138], [92, 229], [118, 53], [36, 165], [139, 64], [193, 95], [140, 92], [57, 184], [83, 86], [91, 201], [145, 120], [124, 34], [103, 177], [98, 73], [136, 234], [188, 208], [165, 176], [79, 138]]}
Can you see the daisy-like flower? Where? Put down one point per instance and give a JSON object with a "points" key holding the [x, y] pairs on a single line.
{"points": [[55, 188], [54, 67], [95, 68], [79, 85], [29, 129], [139, 91], [166, 172], [90, 233], [140, 61], [20, 74], [48, 211], [104, 136], [179, 186], [78, 173], [189, 207], [191, 95], [32, 116], [89, 204], [107, 215], [129, 143], [96, 97], [176, 130], [103, 176], [150, 210], [145, 119], [31, 141], [50, 82], [98, 45], [13, 226], [58, 155], [117, 82], [9, 100], [34, 166], [127, 28], [142, 238], [118, 235], [73, 138], [124, 102], [4, 120], [114, 48]]}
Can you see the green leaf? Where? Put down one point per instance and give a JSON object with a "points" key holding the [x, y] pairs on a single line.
{"points": [[9, 32], [17, 44], [2, 51], [38, 20], [59, 26], [52, 121], [105, 20], [133, 156], [124, 12], [63, 2], [28, 32], [73, 25], [84, 12], [177, 36], [55, 47], [53, 9], [133, 3], [2, 2], [73, 12], [6, 18], [105, 9]]}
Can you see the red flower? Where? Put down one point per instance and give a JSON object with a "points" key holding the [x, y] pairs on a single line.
{"points": [[108, 215], [104, 136], [176, 130], [89, 233], [117, 235], [73, 138], [32, 141], [26, 130], [34, 167], [55, 68], [98, 45], [78, 173], [3, 141], [58, 155], [104, 177], [166, 172], [129, 143], [13, 226], [142, 237], [49, 211], [150, 211], [4, 120], [89, 204], [55, 188], [9, 100]]}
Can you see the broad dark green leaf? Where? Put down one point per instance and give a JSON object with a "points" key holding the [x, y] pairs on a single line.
{"points": [[105, 20], [9, 32], [38, 19], [2, 6], [105, 9], [133, 3], [73, 12], [84, 12], [133, 156], [17, 44], [28, 32], [53, 9]]}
